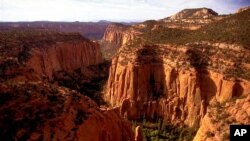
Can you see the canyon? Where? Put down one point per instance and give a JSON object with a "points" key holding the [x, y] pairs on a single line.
{"points": [[184, 77], [158, 76], [35, 108]]}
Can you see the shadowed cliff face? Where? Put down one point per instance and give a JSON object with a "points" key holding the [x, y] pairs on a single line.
{"points": [[144, 85], [191, 67], [176, 83]]}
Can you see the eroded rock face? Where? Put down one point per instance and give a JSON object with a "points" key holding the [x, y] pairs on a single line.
{"points": [[215, 124], [32, 108], [171, 82], [192, 19], [39, 111], [45, 52], [64, 56], [117, 35], [194, 13]]}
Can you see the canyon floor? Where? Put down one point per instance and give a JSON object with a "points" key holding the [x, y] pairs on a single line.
{"points": [[182, 78]]}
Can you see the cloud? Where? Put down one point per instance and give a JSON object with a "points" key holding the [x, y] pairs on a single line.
{"points": [[116, 10]]}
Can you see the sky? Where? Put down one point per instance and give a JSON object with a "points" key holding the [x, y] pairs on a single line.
{"points": [[112, 10]]}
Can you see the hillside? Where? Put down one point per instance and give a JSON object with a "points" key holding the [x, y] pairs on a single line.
{"points": [[42, 111], [194, 13], [220, 31], [173, 76]]}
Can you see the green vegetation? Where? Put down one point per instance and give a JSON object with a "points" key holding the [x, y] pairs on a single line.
{"points": [[89, 85], [160, 131], [162, 35], [234, 29]]}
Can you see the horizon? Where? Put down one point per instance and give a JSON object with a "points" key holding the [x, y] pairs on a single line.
{"points": [[106, 10]]}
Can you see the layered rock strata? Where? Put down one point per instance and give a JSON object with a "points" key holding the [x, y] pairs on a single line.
{"points": [[174, 82], [64, 56], [117, 35]]}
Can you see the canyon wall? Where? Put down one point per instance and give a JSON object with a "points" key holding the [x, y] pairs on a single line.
{"points": [[117, 35], [64, 56], [215, 124], [166, 81], [32, 108]]}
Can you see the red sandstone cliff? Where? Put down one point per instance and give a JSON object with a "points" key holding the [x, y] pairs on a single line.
{"points": [[45, 53], [64, 56], [33, 109], [164, 81], [117, 35], [176, 74]]}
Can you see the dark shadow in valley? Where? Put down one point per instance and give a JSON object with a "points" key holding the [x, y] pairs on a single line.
{"points": [[198, 56], [237, 90], [150, 57], [88, 81]]}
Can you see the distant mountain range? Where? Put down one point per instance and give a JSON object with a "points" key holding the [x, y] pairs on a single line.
{"points": [[91, 30]]}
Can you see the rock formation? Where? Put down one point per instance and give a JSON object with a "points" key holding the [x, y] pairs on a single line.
{"points": [[194, 13], [214, 125], [117, 35], [32, 108], [64, 57], [45, 53], [184, 78], [39, 111], [138, 134], [178, 75], [163, 81], [192, 19]]}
